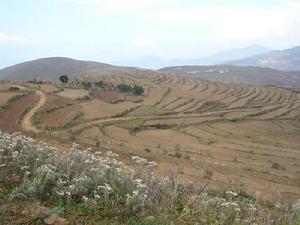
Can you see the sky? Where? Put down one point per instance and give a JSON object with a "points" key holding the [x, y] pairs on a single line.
{"points": [[111, 30]]}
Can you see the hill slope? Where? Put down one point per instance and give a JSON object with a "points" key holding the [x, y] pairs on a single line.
{"points": [[288, 59], [247, 74], [51, 68], [47, 69]]}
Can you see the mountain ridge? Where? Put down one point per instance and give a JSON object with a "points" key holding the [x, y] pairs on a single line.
{"points": [[287, 59], [239, 74], [49, 69], [154, 62]]}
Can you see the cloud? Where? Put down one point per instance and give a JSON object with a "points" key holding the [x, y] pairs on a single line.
{"points": [[142, 41], [9, 38], [123, 5], [231, 21]]}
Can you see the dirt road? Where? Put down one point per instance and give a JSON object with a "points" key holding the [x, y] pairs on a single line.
{"points": [[26, 123]]}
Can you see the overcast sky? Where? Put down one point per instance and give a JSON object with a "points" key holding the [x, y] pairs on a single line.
{"points": [[110, 30]]}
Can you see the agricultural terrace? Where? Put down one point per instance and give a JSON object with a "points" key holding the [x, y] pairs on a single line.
{"points": [[236, 135]]}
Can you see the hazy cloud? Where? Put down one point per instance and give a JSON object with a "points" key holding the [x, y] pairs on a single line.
{"points": [[142, 41], [234, 22], [10, 38], [122, 5]]}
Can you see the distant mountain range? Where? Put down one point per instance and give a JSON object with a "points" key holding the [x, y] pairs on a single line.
{"points": [[288, 59], [153, 62], [51, 68], [239, 74], [251, 70]]}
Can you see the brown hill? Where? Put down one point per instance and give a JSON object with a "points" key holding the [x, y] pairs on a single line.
{"points": [[49, 69], [239, 74]]}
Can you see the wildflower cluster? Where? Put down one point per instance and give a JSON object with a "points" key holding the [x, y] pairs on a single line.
{"points": [[100, 181], [75, 176]]}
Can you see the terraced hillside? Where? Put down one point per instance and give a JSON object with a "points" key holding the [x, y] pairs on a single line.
{"points": [[223, 134], [239, 74]]}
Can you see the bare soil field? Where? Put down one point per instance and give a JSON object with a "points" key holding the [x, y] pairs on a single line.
{"points": [[9, 119], [73, 93], [107, 96], [6, 96], [59, 117], [97, 109], [244, 136]]}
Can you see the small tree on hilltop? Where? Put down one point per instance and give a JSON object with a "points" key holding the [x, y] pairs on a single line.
{"points": [[64, 78]]}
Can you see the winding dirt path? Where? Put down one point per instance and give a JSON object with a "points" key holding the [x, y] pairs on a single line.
{"points": [[26, 123]]}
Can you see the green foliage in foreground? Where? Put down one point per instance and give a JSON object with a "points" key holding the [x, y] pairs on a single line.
{"points": [[97, 188]]}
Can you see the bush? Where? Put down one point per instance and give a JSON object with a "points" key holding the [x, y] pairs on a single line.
{"points": [[277, 166], [124, 88], [13, 88], [137, 90]]}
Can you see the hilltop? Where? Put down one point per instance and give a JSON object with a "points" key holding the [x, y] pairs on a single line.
{"points": [[49, 69]]}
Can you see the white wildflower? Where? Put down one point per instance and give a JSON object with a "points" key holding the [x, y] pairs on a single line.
{"points": [[106, 188], [60, 193], [231, 193], [24, 167]]}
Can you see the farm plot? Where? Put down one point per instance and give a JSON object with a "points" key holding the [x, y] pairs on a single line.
{"points": [[6, 96], [107, 96], [73, 93], [155, 96], [48, 88], [93, 136], [260, 132], [58, 118], [96, 109], [243, 99], [10, 117], [168, 139], [148, 111]]}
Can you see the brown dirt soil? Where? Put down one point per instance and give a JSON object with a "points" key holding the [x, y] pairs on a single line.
{"points": [[107, 96], [73, 93], [4, 86], [59, 117], [154, 96], [10, 117], [98, 109], [6, 96], [47, 88]]}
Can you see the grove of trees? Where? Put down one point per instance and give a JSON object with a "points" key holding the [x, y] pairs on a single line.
{"points": [[136, 89]]}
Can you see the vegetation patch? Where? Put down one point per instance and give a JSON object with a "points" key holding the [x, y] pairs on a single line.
{"points": [[98, 188]]}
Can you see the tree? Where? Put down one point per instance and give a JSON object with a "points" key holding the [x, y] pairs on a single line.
{"points": [[124, 88], [64, 78], [137, 89], [87, 84], [99, 83]]}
